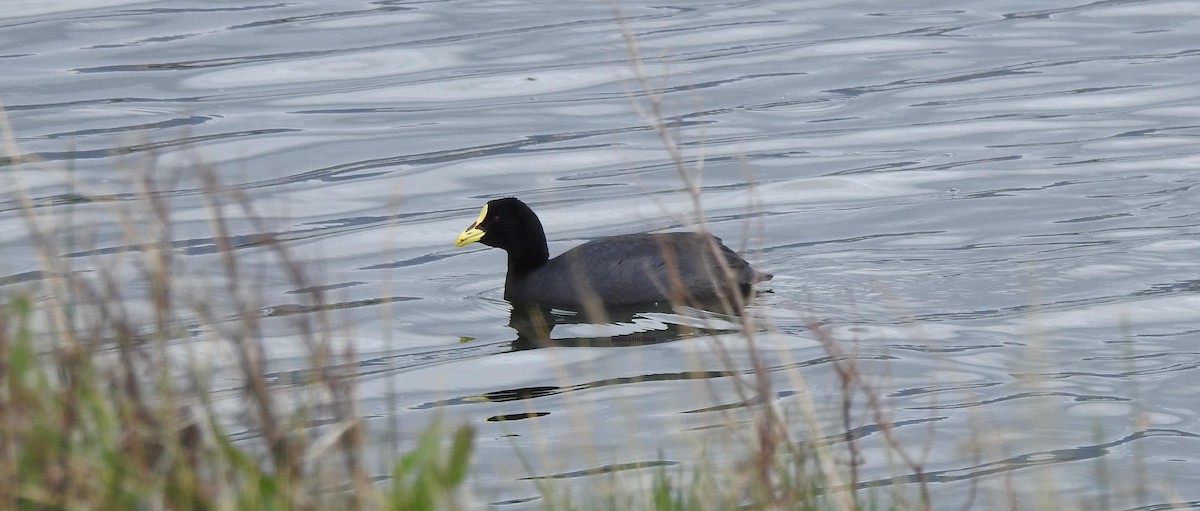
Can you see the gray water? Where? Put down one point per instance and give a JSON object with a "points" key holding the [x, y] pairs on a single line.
{"points": [[989, 205]]}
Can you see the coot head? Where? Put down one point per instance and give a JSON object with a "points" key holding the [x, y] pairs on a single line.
{"points": [[510, 225]]}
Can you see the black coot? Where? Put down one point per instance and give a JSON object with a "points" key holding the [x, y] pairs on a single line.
{"points": [[610, 272]]}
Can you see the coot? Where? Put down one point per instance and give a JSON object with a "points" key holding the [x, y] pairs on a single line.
{"points": [[614, 271]]}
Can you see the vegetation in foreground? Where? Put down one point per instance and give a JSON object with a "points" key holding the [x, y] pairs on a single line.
{"points": [[96, 412], [99, 410]]}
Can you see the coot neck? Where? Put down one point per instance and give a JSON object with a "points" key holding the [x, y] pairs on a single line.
{"points": [[527, 250], [527, 258]]}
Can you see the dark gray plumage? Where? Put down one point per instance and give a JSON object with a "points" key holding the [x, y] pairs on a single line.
{"points": [[613, 271]]}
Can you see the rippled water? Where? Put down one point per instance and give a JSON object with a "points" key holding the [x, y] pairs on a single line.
{"points": [[990, 206]]}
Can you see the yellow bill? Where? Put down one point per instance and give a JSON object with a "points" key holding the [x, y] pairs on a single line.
{"points": [[473, 233]]}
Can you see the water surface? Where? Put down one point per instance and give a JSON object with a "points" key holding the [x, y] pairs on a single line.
{"points": [[990, 207]]}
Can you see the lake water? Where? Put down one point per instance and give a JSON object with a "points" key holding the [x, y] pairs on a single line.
{"points": [[991, 206]]}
